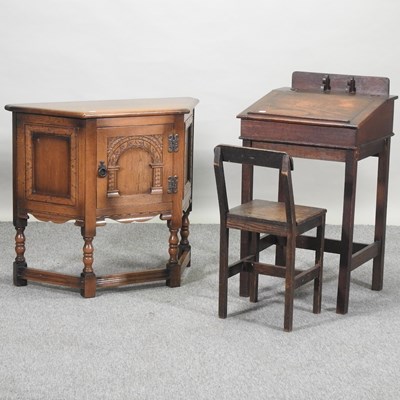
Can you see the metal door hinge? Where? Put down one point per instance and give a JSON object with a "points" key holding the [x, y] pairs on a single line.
{"points": [[172, 184], [173, 143]]}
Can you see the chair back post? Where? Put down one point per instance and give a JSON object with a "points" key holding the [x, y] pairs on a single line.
{"points": [[286, 175], [220, 181]]}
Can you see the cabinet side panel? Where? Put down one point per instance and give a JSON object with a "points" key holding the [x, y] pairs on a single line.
{"points": [[47, 169], [51, 157]]}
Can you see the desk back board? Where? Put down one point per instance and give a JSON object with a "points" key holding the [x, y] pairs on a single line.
{"points": [[339, 83]]}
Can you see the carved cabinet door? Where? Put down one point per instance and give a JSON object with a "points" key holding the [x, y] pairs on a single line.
{"points": [[135, 167]]}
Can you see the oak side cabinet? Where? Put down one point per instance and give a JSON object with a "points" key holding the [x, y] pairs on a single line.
{"points": [[126, 160]]}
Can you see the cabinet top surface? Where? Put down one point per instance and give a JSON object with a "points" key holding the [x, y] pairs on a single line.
{"points": [[109, 108]]}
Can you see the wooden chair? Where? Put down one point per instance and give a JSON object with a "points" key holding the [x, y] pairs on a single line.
{"points": [[281, 222]]}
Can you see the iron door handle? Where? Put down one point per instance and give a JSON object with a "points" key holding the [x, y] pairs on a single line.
{"points": [[102, 170]]}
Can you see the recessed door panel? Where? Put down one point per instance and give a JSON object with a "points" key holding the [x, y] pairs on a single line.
{"points": [[135, 172]]}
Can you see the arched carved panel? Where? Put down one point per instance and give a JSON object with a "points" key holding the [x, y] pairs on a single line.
{"points": [[118, 145]]}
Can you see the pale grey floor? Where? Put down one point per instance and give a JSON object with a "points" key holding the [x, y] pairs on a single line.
{"points": [[154, 342]]}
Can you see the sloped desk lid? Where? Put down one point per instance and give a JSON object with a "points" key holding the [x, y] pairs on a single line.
{"points": [[310, 107]]}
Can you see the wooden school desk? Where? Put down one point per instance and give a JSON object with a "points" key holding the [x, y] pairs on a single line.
{"points": [[332, 118]]}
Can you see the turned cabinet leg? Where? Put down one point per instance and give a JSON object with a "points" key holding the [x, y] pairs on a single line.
{"points": [[174, 279], [20, 261], [184, 244], [88, 288]]}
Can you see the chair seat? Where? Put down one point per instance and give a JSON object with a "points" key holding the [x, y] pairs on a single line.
{"points": [[264, 215]]}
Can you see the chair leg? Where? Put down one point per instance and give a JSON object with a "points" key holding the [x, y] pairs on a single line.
{"points": [[254, 249], [254, 287], [289, 283], [319, 260], [223, 271]]}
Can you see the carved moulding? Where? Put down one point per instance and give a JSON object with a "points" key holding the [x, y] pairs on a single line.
{"points": [[51, 217], [128, 218]]}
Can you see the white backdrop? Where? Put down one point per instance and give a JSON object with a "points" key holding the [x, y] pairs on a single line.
{"points": [[225, 53]]}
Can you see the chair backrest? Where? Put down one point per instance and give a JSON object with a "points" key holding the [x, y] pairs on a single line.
{"points": [[255, 157]]}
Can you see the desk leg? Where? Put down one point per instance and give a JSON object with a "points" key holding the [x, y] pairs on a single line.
{"points": [[245, 237], [280, 253], [342, 304], [380, 216]]}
